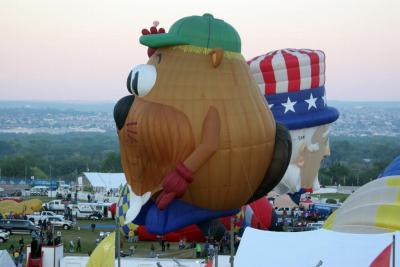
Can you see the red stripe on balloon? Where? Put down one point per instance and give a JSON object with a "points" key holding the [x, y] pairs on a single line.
{"points": [[293, 71], [268, 74], [314, 62]]}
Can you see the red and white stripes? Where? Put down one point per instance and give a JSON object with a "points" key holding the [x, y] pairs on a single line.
{"points": [[288, 70]]}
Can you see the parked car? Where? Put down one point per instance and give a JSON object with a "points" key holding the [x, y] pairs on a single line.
{"points": [[283, 210], [4, 236], [58, 222], [36, 216], [95, 216], [315, 226], [18, 226]]}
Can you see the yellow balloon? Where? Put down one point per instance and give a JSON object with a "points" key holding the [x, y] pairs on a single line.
{"points": [[104, 254], [373, 208], [24, 207]]}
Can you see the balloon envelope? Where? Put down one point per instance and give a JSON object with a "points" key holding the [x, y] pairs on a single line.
{"points": [[373, 208]]}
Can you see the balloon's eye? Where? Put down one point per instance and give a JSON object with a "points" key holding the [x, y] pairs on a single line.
{"points": [[141, 79]]}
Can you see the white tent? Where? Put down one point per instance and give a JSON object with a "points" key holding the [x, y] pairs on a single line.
{"points": [[5, 259], [105, 181], [323, 248]]}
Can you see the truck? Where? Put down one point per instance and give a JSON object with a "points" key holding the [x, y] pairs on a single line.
{"points": [[323, 209], [55, 205], [4, 236], [38, 190], [44, 215], [85, 211]]}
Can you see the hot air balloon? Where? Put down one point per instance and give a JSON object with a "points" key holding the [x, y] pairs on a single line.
{"points": [[373, 208], [197, 141], [292, 81], [259, 214]]}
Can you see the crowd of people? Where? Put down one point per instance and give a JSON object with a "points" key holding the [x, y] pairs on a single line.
{"points": [[39, 238]]}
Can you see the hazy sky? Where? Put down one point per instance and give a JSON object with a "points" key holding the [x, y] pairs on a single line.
{"points": [[83, 50]]}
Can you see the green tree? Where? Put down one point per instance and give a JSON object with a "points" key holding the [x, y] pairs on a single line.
{"points": [[112, 163], [38, 173]]}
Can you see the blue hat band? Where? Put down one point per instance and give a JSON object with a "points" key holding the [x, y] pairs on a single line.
{"points": [[302, 109]]}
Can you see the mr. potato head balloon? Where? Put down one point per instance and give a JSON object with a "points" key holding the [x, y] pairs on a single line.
{"points": [[196, 130]]}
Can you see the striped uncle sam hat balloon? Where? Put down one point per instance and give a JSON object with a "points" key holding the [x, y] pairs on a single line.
{"points": [[292, 81], [122, 208]]}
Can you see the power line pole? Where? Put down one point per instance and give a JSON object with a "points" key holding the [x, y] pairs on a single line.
{"points": [[232, 242], [51, 182]]}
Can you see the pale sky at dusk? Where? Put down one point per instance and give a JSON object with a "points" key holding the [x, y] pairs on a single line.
{"points": [[83, 50]]}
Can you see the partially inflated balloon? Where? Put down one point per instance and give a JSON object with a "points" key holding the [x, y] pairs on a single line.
{"points": [[373, 208], [121, 209], [104, 254], [259, 214], [23, 207]]}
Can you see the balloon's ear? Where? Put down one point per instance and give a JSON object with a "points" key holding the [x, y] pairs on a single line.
{"points": [[217, 54]]}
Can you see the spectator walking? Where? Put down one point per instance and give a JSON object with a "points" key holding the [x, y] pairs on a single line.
{"points": [[181, 244], [163, 245], [57, 240], [21, 243], [20, 258], [136, 236], [49, 236], [16, 257], [78, 245], [131, 235], [198, 250], [71, 246], [152, 251], [93, 226], [132, 250]]}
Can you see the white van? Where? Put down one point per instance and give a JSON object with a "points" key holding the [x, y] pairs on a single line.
{"points": [[39, 190], [85, 211]]}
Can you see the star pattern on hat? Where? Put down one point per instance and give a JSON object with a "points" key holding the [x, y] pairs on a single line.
{"points": [[312, 102], [289, 105]]}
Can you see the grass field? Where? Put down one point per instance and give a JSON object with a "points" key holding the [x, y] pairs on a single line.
{"points": [[337, 196], [88, 241], [88, 238]]}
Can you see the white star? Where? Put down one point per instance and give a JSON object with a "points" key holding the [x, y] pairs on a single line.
{"points": [[270, 105], [311, 102], [289, 105], [324, 99]]}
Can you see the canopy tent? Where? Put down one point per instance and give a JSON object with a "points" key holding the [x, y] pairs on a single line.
{"points": [[314, 248], [104, 181], [5, 259]]}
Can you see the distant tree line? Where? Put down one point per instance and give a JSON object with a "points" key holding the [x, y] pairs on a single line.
{"points": [[353, 161], [58, 156], [357, 160]]}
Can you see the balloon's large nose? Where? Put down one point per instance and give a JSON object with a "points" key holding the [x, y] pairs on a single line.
{"points": [[121, 110]]}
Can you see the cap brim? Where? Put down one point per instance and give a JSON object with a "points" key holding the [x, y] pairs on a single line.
{"points": [[307, 120], [161, 40]]}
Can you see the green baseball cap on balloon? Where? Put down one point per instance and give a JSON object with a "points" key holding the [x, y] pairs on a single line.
{"points": [[203, 31]]}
